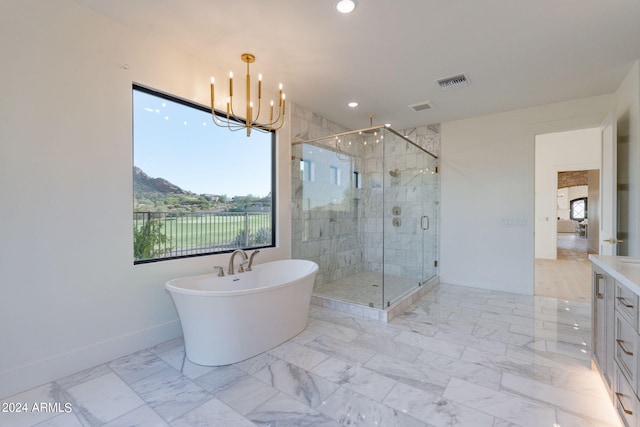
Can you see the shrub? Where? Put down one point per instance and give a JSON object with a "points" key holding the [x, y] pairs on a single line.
{"points": [[149, 241], [262, 236]]}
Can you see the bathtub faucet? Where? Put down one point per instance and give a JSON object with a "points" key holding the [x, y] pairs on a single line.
{"points": [[231, 269], [254, 253]]}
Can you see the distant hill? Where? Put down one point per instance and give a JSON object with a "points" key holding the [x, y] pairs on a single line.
{"points": [[159, 195], [143, 183]]}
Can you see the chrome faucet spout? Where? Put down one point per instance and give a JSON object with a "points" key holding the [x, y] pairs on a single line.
{"points": [[231, 269], [253, 254]]}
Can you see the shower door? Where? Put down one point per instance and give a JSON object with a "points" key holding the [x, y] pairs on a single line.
{"points": [[410, 217], [429, 222]]}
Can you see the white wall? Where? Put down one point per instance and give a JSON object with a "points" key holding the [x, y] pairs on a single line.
{"points": [[70, 295], [557, 152], [488, 192]]}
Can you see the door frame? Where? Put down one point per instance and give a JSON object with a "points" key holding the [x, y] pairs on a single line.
{"points": [[608, 187]]}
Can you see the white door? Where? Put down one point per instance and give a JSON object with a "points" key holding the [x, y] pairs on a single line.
{"points": [[608, 183]]}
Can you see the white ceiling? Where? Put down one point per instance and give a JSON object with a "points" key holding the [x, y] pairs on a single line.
{"points": [[388, 54]]}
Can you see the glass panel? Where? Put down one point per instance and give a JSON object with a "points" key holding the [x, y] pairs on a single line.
{"points": [[331, 178], [409, 211], [365, 209], [430, 197]]}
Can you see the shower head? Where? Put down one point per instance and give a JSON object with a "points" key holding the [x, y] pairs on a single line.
{"points": [[394, 172]]}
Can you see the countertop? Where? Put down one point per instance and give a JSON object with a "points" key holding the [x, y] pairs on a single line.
{"points": [[624, 269]]}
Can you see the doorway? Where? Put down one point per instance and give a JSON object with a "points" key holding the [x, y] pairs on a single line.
{"points": [[567, 188]]}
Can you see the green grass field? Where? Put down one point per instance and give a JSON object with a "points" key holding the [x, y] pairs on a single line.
{"points": [[191, 233]]}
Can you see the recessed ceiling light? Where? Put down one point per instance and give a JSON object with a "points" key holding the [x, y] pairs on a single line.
{"points": [[346, 6], [353, 104]]}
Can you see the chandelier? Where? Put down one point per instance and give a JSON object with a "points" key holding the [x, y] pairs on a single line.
{"points": [[233, 122]]}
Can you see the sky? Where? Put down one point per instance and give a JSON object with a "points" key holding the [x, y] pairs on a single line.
{"points": [[183, 146]]}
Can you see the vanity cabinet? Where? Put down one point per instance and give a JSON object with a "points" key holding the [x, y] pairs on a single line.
{"points": [[626, 350], [602, 317], [625, 401], [626, 354], [615, 329]]}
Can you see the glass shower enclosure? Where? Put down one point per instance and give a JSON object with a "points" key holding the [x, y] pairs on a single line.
{"points": [[365, 209]]}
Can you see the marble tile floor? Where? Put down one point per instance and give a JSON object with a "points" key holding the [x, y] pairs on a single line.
{"points": [[568, 276], [459, 357], [366, 288]]}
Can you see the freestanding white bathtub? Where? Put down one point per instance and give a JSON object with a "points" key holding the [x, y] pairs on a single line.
{"points": [[232, 318]]}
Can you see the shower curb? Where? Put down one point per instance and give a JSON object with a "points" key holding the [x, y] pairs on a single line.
{"points": [[398, 307]]}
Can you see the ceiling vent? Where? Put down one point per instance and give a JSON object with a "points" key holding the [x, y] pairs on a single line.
{"points": [[453, 82], [421, 106]]}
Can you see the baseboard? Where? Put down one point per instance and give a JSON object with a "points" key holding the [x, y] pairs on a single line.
{"points": [[25, 377]]}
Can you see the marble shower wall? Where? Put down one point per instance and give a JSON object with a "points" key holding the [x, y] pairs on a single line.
{"points": [[340, 226]]}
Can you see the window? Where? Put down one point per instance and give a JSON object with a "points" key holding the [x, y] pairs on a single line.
{"points": [[198, 188], [306, 170], [578, 209], [335, 175]]}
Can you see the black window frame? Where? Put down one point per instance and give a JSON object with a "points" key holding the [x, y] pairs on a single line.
{"points": [[571, 208], [206, 109]]}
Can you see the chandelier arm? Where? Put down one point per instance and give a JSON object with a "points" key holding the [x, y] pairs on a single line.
{"points": [[232, 126], [228, 124], [231, 109], [278, 118], [272, 126], [233, 129], [225, 123], [281, 124], [236, 118], [217, 121], [269, 125]]}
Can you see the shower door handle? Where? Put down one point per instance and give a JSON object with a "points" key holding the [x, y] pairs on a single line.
{"points": [[422, 222]]}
